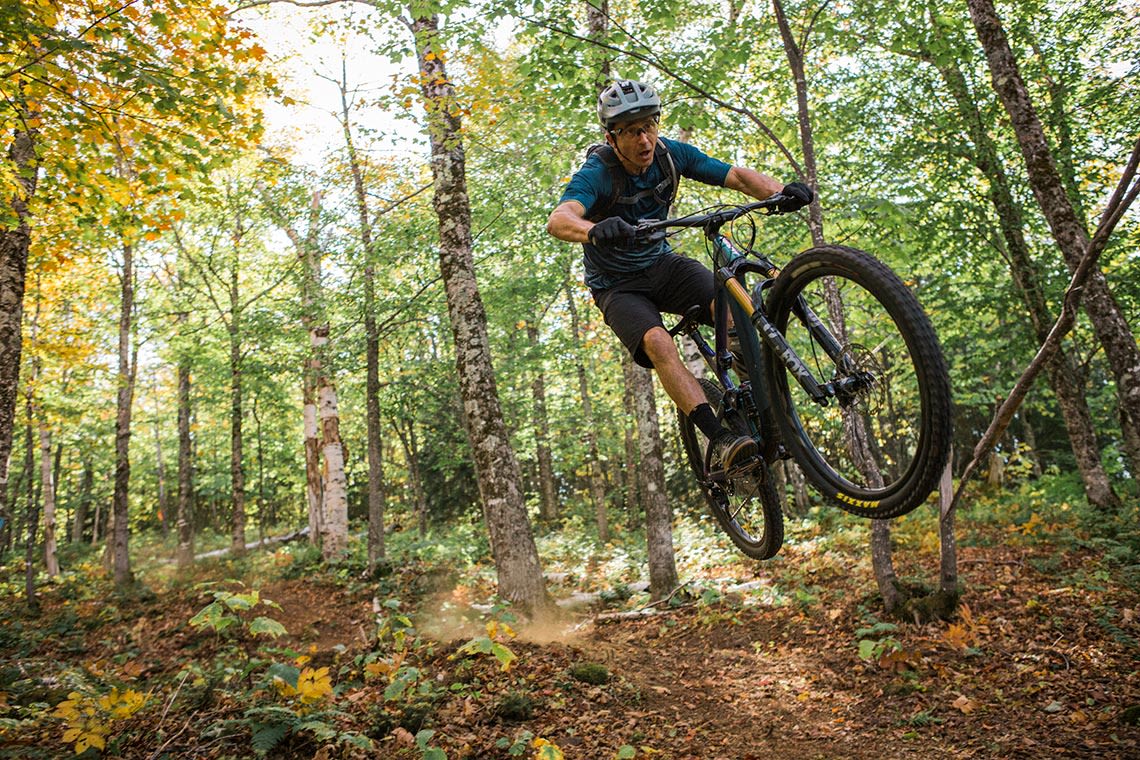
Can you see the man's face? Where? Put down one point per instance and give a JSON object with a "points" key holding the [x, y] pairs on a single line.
{"points": [[635, 141]]}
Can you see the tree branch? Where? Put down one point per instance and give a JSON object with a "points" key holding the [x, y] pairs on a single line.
{"points": [[669, 72]]}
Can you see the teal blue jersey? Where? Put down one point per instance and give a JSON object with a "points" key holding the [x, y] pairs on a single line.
{"points": [[591, 186]]}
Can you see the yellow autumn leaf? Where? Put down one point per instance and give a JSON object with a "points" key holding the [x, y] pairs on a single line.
{"points": [[314, 685], [546, 750]]}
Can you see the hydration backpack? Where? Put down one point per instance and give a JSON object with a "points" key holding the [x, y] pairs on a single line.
{"points": [[665, 191]]}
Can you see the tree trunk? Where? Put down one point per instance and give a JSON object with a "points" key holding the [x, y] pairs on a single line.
{"points": [[1063, 376], [412, 455], [126, 380], [597, 478], [548, 506], [372, 350], [14, 242], [326, 486], [658, 515], [633, 476], [1031, 443], [237, 464], [185, 519], [96, 522], [47, 488], [334, 511], [314, 495], [160, 473], [1109, 323], [884, 566], [948, 577], [801, 500], [512, 541], [33, 513], [83, 507]]}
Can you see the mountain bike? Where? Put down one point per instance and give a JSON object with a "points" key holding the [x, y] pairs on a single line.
{"points": [[830, 362]]}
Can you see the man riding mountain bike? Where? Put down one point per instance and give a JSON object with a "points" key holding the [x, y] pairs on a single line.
{"points": [[634, 177]]}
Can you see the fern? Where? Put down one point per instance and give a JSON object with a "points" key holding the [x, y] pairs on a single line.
{"points": [[266, 736]]}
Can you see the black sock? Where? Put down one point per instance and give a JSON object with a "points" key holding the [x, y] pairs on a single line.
{"points": [[705, 420]]}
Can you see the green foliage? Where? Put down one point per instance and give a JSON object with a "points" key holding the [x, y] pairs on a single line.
{"points": [[516, 747], [225, 612], [428, 753], [873, 645]]}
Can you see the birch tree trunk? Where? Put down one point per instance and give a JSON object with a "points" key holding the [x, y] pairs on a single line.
{"points": [[326, 487], [512, 540], [658, 514], [1109, 323], [126, 387], [314, 490], [597, 478], [14, 242], [334, 512], [47, 488]]}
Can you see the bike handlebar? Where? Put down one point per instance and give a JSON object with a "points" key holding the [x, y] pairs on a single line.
{"points": [[651, 231]]}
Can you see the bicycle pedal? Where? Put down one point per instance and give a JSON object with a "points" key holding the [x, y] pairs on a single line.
{"points": [[738, 470]]}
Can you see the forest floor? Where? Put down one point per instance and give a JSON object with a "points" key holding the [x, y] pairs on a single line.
{"points": [[1041, 662]]}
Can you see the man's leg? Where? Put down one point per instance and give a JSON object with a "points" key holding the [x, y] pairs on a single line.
{"points": [[675, 377], [683, 388]]}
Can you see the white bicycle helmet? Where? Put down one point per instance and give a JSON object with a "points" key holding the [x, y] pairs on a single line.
{"points": [[627, 100]]}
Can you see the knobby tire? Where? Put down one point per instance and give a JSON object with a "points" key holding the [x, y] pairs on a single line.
{"points": [[904, 417]]}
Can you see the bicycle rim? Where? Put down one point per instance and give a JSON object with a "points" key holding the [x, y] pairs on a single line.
{"points": [[747, 506], [880, 451]]}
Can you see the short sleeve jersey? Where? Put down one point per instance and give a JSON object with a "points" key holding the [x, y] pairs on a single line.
{"points": [[590, 186]]}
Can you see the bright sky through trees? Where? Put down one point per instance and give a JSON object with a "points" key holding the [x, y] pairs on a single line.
{"points": [[309, 66]]}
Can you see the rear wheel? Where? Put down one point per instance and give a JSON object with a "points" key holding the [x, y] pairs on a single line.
{"points": [[877, 449], [746, 505]]}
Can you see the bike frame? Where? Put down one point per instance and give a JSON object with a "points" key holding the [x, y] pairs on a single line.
{"points": [[731, 265]]}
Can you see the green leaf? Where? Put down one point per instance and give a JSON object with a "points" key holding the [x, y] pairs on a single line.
{"points": [[867, 648], [423, 737], [625, 752], [268, 626], [503, 655], [358, 740], [286, 673], [212, 615]]}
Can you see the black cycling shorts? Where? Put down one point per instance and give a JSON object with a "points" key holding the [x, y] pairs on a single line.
{"points": [[672, 284]]}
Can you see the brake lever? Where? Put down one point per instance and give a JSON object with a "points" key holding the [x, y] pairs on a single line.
{"points": [[647, 235]]}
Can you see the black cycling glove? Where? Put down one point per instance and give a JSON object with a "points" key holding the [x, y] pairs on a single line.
{"points": [[612, 231], [799, 194]]}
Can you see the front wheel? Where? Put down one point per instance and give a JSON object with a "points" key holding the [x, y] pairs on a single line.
{"points": [[746, 505], [878, 448]]}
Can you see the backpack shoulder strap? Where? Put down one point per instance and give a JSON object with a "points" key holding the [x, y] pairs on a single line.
{"points": [[610, 160], [667, 195]]}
